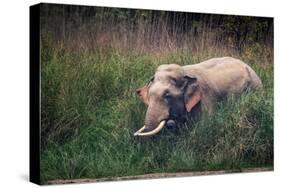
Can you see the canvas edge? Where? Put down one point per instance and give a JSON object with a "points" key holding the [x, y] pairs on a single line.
{"points": [[34, 96]]}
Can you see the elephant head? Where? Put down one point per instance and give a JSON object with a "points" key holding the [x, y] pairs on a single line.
{"points": [[169, 96]]}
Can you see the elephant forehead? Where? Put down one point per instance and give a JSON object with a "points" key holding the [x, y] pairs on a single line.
{"points": [[166, 72], [169, 68]]}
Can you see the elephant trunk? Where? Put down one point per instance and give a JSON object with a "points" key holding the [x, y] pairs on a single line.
{"points": [[155, 119]]}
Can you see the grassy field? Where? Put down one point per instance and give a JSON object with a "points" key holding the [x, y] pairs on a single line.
{"points": [[90, 111]]}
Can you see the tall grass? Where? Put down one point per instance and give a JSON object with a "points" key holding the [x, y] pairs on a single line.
{"points": [[90, 110]]}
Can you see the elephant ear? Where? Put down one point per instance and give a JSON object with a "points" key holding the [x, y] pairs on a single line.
{"points": [[193, 94], [143, 93]]}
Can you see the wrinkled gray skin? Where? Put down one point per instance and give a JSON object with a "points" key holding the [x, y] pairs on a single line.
{"points": [[171, 93]]}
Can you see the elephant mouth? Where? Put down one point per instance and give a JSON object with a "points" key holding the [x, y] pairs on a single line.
{"points": [[152, 132], [170, 124]]}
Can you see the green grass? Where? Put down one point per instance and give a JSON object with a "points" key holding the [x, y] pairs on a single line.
{"points": [[90, 112]]}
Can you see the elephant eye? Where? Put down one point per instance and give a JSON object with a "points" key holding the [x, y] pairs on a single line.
{"points": [[167, 96]]}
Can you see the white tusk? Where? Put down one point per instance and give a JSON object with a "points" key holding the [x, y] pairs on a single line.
{"points": [[140, 130], [154, 131]]}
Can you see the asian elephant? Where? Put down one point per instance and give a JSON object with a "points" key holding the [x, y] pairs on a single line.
{"points": [[174, 91]]}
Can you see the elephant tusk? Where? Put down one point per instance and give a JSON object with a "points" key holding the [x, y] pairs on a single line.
{"points": [[139, 131], [154, 131]]}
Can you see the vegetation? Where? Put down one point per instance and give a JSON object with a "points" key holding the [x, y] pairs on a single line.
{"points": [[93, 59]]}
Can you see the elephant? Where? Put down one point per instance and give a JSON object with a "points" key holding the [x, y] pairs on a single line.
{"points": [[176, 91]]}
